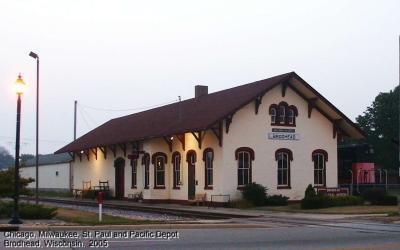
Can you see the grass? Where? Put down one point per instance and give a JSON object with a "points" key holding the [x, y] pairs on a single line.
{"points": [[89, 218], [363, 209]]}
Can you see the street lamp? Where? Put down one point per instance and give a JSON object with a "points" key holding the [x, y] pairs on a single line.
{"points": [[35, 56], [19, 88]]}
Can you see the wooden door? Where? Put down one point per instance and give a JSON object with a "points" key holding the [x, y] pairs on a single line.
{"points": [[191, 159], [119, 165]]}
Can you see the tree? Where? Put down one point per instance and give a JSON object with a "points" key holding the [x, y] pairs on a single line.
{"points": [[6, 160], [381, 123], [25, 157], [7, 183]]}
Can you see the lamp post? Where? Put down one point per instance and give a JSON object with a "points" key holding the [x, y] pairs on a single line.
{"points": [[19, 88], [35, 56]]}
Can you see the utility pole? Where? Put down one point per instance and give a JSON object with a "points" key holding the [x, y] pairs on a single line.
{"points": [[35, 56], [75, 106]]}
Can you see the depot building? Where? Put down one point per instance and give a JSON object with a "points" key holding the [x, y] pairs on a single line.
{"points": [[278, 132]]}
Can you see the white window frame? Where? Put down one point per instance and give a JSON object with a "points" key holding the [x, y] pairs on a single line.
{"points": [[320, 171], [282, 169], [160, 159], [241, 154], [291, 116], [282, 115], [273, 115], [177, 170], [209, 168]]}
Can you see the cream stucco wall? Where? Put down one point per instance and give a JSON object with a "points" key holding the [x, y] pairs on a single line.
{"points": [[47, 176], [246, 130], [250, 130]]}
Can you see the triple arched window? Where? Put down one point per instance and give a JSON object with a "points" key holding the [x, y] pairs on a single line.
{"points": [[282, 114]]}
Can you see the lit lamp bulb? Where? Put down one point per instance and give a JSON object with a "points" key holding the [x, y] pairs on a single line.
{"points": [[19, 86]]}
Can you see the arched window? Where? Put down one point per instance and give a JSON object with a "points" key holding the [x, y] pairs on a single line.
{"points": [[283, 157], [319, 157], [176, 164], [134, 173], [159, 160], [282, 114], [244, 157], [292, 113], [291, 116], [146, 163], [273, 112], [208, 158]]}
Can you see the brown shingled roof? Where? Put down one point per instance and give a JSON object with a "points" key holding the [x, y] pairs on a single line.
{"points": [[197, 114]]}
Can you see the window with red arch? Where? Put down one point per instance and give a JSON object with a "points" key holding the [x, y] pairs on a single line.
{"points": [[176, 165], [244, 157], [283, 157], [208, 158], [159, 161], [319, 157], [283, 114]]}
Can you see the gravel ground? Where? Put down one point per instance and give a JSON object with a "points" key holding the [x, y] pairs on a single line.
{"points": [[131, 214]]}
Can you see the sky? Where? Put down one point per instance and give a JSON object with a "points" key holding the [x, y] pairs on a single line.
{"points": [[120, 57]]}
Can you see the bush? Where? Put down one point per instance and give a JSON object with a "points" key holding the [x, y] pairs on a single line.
{"points": [[373, 195], [337, 201], [27, 211], [323, 201], [387, 200], [276, 200], [314, 202], [310, 192], [255, 193]]}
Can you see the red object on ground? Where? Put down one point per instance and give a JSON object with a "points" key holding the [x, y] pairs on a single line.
{"points": [[363, 173], [100, 198]]}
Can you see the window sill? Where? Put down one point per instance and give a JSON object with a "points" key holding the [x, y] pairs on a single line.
{"points": [[134, 187], [284, 187], [176, 188], [208, 188], [240, 187], [159, 187], [146, 187]]}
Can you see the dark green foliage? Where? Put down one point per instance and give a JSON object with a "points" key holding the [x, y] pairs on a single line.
{"points": [[27, 211], [310, 192], [381, 123], [337, 201], [276, 200], [25, 157], [255, 193], [378, 196], [373, 195], [7, 184], [323, 201], [388, 200]]}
